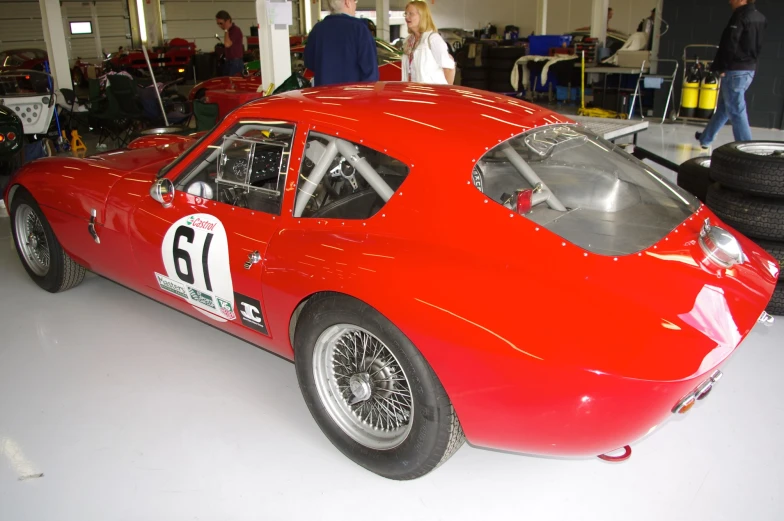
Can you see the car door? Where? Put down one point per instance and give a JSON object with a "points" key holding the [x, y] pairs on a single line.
{"points": [[203, 253]]}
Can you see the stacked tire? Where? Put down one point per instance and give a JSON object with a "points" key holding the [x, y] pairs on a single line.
{"points": [[474, 71], [501, 61], [747, 192]]}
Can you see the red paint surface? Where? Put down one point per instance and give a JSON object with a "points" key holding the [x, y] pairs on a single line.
{"points": [[541, 348]]}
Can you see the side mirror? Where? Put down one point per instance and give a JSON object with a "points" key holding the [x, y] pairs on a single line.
{"points": [[162, 191]]}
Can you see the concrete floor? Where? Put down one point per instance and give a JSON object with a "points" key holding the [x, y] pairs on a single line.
{"points": [[115, 407]]}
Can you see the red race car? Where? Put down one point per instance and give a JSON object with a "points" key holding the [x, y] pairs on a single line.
{"points": [[419, 275], [169, 60], [29, 59], [229, 92]]}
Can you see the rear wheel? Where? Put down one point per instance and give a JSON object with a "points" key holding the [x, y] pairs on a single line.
{"points": [[40, 252], [371, 392]]}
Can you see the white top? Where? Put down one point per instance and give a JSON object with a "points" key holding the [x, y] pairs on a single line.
{"points": [[428, 61]]}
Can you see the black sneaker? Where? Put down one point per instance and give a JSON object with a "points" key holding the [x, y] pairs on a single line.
{"points": [[698, 137]]}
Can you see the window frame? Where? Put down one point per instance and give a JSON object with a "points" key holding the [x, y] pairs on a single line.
{"points": [[215, 146]]}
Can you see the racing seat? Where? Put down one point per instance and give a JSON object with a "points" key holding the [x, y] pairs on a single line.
{"points": [[360, 205]]}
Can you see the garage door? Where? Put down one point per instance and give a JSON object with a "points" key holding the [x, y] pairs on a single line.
{"points": [[195, 19], [21, 26], [110, 25]]}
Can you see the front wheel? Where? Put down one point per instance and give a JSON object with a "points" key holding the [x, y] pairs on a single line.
{"points": [[41, 254], [371, 392]]}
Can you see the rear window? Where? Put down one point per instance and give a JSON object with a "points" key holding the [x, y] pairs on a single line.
{"points": [[583, 188]]}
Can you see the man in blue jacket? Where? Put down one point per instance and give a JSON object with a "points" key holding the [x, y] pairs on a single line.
{"points": [[340, 48], [736, 62]]}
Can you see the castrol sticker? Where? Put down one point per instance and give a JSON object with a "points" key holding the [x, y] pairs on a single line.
{"points": [[195, 255]]}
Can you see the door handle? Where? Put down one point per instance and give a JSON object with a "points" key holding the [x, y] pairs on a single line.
{"points": [[91, 226], [253, 258]]}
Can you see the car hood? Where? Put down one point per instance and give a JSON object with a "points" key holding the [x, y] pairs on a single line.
{"points": [[79, 186]]}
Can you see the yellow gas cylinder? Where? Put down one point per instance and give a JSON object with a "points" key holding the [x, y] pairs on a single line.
{"points": [[709, 96], [690, 94]]}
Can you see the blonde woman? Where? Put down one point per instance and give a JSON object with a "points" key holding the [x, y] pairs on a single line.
{"points": [[426, 56]]}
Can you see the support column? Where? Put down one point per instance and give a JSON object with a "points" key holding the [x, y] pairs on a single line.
{"points": [[541, 17], [136, 37], [312, 14], [154, 22], [382, 20], [56, 47], [657, 26], [274, 48], [97, 32], [599, 20]]}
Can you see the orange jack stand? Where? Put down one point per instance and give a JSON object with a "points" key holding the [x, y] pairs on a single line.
{"points": [[77, 145]]}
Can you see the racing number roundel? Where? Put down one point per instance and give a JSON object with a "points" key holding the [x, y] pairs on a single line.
{"points": [[196, 257]]}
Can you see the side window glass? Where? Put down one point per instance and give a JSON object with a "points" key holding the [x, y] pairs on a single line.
{"points": [[344, 180], [246, 167]]}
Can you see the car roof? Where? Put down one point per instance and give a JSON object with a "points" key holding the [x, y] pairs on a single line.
{"points": [[401, 115]]}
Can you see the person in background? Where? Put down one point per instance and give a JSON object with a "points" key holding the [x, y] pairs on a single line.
{"points": [[426, 56], [340, 48], [232, 43], [736, 63]]}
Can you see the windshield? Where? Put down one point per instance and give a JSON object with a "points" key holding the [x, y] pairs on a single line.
{"points": [[583, 188]]}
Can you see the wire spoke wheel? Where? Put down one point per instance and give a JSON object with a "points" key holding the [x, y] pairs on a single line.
{"points": [[363, 386], [32, 240], [762, 149]]}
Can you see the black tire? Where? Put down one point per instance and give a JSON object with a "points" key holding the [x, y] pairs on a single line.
{"points": [[776, 304], [694, 176], [501, 86], [474, 74], [501, 64], [756, 217], [748, 172], [497, 76], [63, 272], [506, 53], [435, 433], [775, 249]]}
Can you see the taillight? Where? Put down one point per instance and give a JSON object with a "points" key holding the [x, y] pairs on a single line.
{"points": [[699, 393], [11, 136], [2, 138], [524, 201]]}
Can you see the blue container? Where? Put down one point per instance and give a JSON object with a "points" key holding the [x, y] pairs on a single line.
{"points": [[541, 45]]}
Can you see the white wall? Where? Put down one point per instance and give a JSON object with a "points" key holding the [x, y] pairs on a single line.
{"points": [[194, 20], [563, 15], [567, 15]]}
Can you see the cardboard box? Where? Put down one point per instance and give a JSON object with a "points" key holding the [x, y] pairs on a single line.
{"points": [[634, 59]]}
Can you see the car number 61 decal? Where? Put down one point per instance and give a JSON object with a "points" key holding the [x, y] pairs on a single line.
{"points": [[196, 257]]}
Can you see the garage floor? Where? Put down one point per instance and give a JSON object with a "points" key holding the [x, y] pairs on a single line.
{"points": [[115, 407]]}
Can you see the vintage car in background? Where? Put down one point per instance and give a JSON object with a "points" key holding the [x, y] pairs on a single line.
{"points": [[229, 92], [30, 95], [30, 59], [530, 287], [171, 60], [11, 143]]}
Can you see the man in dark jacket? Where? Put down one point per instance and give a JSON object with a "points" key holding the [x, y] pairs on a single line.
{"points": [[736, 62], [340, 48]]}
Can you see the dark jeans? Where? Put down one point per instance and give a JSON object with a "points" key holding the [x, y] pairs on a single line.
{"points": [[234, 66], [732, 108]]}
